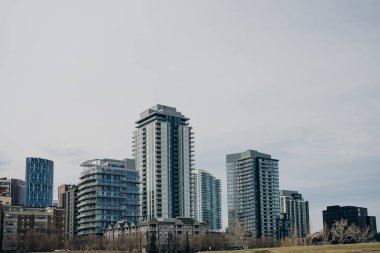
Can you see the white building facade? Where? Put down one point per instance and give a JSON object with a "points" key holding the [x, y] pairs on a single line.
{"points": [[163, 151], [296, 209]]}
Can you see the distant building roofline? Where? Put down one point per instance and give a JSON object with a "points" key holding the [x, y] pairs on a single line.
{"points": [[249, 153], [159, 109]]}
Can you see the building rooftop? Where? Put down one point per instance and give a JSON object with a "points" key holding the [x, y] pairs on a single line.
{"points": [[160, 110], [112, 163], [338, 207], [288, 193], [247, 154]]}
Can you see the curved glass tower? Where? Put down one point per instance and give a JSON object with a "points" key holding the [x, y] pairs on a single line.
{"points": [[38, 182], [108, 192]]}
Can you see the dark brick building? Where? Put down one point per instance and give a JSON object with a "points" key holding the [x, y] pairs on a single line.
{"points": [[16, 221]]}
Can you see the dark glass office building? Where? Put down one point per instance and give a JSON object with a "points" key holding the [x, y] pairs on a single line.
{"points": [[38, 182], [353, 215], [18, 191]]}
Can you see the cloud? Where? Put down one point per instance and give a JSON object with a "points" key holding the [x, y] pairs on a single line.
{"points": [[67, 154]]}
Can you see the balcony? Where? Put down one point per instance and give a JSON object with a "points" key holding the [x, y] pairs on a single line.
{"points": [[87, 214], [87, 196], [86, 191], [87, 202]]}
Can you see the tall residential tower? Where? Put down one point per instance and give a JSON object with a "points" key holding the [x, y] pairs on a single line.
{"points": [[294, 208], [163, 150], [208, 199], [70, 204], [253, 192]]}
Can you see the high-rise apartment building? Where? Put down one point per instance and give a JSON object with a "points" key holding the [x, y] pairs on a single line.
{"points": [[163, 150], [61, 197], [208, 199], [108, 192], [38, 182], [253, 192], [70, 197], [296, 209], [18, 191]]}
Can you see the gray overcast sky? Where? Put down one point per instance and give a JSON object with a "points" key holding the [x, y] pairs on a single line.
{"points": [[295, 79]]}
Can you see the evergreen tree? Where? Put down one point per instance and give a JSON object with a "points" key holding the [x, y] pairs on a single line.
{"points": [[152, 243], [187, 246]]}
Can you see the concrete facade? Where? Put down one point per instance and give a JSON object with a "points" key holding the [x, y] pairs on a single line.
{"points": [[70, 196], [253, 192], [173, 229], [17, 220], [296, 209], [163, 150]]}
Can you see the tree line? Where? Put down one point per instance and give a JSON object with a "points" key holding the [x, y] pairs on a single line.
{"points": [[151, 243], [341, 232], [238, 237]]}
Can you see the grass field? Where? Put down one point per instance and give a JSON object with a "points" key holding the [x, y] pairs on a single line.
{"points": [[347, 248]]}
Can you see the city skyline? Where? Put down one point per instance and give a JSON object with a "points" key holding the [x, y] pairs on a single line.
{"points": [[297, 81], [224, 218]]}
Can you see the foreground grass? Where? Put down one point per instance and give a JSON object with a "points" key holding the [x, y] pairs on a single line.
{"points": [[346, 248]]}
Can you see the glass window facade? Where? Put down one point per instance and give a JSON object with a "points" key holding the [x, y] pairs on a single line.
{"points": [[253, 192], [163, 149], [295, 209], [38, 182], [108, 191], [208, 199]]}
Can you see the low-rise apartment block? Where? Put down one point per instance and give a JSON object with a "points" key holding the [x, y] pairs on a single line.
{"points": [[15, 221], [177, 227]]}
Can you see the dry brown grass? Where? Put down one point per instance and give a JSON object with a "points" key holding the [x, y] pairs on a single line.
{"points": [[343, 248], [346, 248]]}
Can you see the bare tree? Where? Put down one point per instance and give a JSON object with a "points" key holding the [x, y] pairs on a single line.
{"points": [[325, 234], [294, 236], [197, 242], [339, 231], [365, 234], [353, 233], [291, 239], [238, 233], [210, 241], [266, 242]]}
